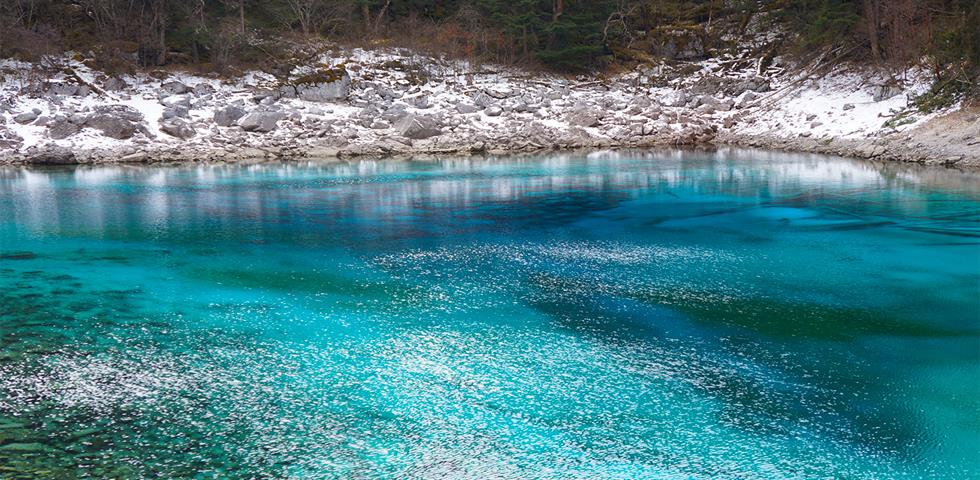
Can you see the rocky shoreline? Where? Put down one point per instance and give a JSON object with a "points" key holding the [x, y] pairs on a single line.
{"points": [[385, 103]]}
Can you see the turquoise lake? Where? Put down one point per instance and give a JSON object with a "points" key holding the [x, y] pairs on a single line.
{"points": [[734, 314]]}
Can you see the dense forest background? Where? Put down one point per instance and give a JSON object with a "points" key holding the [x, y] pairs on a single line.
{"points": [[565, 35]]}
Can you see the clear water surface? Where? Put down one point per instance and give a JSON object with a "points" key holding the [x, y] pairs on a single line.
{"points": [[675, 315]]}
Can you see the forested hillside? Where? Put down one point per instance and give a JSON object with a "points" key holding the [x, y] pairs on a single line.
{"points": [[565, 35]]}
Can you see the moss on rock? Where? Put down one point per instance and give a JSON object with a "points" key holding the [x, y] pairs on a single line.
{"points": [[322, 75]]}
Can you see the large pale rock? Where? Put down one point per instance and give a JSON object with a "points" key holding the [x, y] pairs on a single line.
{"points": [[885, 91], [642, 102], [115, 84], [584, 117], [9, 139], [746, 99], [114, 121], [112, 126], [466, 108], [176, 127], [25, 118], [681, 99], [173, 88], [204, 88], [52, 155], [420, 101], [418, 127], [729, 87], [394, 114], [324, 91], [678, 44], [62, 128], [500, 92], [176, 101], [227, 116], [178, 111], [521, 107], [483, 100], [63, 89], [260, 121], [122, 111]]}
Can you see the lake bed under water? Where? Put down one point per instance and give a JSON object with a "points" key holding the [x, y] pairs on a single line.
{"points": [[729, 314]]}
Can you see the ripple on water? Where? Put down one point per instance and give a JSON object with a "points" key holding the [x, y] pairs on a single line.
{"points": [[635, 319]]}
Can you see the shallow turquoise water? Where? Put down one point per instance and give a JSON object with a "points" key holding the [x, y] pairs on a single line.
{"points": [[675, 315]]}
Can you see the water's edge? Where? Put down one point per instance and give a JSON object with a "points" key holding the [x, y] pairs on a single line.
{"points": [[890, 152]]}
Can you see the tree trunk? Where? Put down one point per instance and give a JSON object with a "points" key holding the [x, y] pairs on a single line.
{"points": [[558, 8], [161, 24], [872, 17], [524, 40], [366, 13], [381, 16], [241, 15]]}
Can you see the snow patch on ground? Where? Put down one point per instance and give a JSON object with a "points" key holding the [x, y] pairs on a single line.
{"points": [[840, 105], [466, 107]]}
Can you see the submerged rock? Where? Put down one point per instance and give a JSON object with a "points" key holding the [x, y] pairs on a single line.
{"points": [[18, 256], [35, 448]]}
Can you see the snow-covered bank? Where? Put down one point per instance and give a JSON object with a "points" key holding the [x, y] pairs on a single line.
{"points": [[852, 115], [396, 102]]}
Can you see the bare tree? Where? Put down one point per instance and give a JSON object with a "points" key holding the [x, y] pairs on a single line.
{"points": [[238, 5], [304, 12], [114, 19], [619, 18], [381, 15], [19, 12]]}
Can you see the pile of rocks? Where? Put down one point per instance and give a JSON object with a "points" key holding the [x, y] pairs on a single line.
{"points": [[377, 111]]}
